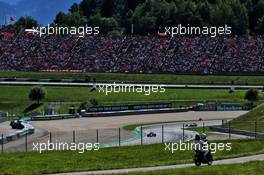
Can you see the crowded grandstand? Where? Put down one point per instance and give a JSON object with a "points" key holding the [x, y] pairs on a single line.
{"points": [[133, 54]]}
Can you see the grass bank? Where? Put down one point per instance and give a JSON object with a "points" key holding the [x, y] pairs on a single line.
{"points": [[112, 158], [251, 121], [15, 99], [251, 168]]}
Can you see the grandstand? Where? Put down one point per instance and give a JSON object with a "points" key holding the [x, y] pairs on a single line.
{"points": [[134, 54]]}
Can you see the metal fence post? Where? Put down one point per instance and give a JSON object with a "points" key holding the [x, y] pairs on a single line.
{"points": [[255, 129], [183, 132], [97, 136], [73, 136], [119, 136], [162, 133], [203, 128], [229, 130], [50, 139], [141, 136], [2, 143], [26, 140]]}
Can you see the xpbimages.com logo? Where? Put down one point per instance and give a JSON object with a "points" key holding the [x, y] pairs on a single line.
{"points": [[130, 88], [212, 31], [190, 146], [81, 31], [63, 146]]}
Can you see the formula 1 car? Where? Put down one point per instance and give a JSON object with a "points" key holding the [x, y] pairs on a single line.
{"points": [[151, 134], [16, 124], [191, 125]]}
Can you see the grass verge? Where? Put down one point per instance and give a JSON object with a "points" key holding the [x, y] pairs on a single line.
{"points": [[112, 158], [251, 168]]}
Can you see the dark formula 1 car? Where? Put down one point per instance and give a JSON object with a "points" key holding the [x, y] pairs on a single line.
{"points": [[191, 125], [151, 134], [16, 124]]}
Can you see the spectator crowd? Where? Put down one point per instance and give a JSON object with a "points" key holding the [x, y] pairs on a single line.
{"points": [[135, 54]]}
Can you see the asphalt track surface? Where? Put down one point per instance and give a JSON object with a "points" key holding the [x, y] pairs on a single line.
{"points": [[86, 128], [180, 86], [172, 132], [259, 157]]}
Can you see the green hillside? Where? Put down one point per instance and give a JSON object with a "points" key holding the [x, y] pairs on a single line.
{"points": [[251, 119]]}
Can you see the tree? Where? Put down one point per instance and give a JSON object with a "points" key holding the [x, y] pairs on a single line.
{"points": [[150, 15], [88, 7], [74, 8], [132, 4], [37, 93], [76, 19], [26, 22], [61, 18], [256, 14], [260, 26], [205, 11], [71, 19], [108, 8], [231, 13], [106, 24], [241, 20], [252, 95]]}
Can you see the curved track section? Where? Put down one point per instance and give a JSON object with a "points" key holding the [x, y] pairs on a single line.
{"points": [[170, 132]]}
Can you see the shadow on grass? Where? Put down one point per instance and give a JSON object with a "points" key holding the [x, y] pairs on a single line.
{"points": [[32, 107]]}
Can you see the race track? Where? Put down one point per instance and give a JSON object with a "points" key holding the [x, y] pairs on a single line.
{"points": [[85, 129], [172, 132]]}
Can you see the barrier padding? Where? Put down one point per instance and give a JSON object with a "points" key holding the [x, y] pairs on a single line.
{"points": [[28, 129]]}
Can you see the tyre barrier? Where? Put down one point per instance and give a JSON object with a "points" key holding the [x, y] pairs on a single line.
{"points": [[28, 129]]}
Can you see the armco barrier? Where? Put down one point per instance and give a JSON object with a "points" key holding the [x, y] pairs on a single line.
{"points": [[28, 129], [4, 141], [238, 131], [133, 112], [11, 137], [53, 117]]}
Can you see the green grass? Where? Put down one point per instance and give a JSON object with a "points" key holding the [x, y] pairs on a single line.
{"points": [[132, 127], [205, 129], [251, 168], [119, 77], [15, 99], [20, 94], [112, 158], [247, 121]]}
